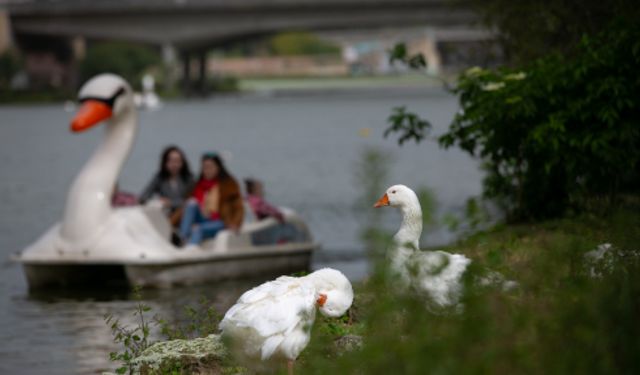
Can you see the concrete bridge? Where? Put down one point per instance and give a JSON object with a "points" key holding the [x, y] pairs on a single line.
{"points": [[186, 28]]}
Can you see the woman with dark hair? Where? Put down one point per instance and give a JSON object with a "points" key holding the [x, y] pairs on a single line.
{"points": [[216, 202], [173, 183]]}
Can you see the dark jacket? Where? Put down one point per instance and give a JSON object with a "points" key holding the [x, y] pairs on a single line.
{"points": [[176, 194]]}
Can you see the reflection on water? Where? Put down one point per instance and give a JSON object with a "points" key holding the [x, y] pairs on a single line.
{"points": [[304, 148]]}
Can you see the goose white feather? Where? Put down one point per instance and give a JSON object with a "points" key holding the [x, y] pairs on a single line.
{"points": [[437, 274], [274, 320]]}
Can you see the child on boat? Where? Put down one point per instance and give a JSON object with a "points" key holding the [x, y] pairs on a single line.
{"points": [[255, 197], [284, 232]]}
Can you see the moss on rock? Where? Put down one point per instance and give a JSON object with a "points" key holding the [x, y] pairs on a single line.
{"points": [[203, 356]]}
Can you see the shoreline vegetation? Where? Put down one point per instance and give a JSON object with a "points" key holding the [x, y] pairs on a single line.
{"points": [[564, 307], [258, 85]]}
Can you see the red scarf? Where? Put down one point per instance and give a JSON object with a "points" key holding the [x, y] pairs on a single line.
{"points": [[202, 187]]}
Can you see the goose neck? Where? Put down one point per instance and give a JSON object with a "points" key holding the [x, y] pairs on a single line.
{"points": [[411, 227]]}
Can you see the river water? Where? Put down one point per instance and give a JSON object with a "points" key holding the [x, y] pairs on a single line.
{"points": [[305, 146]]}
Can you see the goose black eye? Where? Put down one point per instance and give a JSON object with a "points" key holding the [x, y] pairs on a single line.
{"points": [[393, 191]]}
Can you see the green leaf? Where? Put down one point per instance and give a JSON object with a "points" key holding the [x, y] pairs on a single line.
{"points": [[398, 53], [417, 61]]}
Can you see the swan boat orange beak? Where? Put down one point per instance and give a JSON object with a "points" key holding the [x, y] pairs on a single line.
{"points": [[384, 201], [90, 113]]}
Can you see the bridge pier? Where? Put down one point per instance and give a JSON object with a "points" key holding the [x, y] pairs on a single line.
{"points": [[194, 85], [431, 53], [169, 66], [186, 73], [6, 39], [202, 76]]}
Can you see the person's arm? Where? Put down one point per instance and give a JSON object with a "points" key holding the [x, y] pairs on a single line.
{"points": [[177, 203], [151, 189], [189, 188]]}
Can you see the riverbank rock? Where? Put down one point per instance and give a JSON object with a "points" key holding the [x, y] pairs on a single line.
{"points": [[347, 343], [206, 356], [202, 356]]}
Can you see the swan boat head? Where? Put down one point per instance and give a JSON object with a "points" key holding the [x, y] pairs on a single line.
{"points": [[103, 97]]}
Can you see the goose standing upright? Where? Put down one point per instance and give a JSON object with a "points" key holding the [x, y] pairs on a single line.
{"points": [[273, 321], [437, 274]]}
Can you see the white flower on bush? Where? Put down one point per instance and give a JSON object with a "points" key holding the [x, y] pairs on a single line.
{"points": [[492, 86], [474, 71], [604, 259], [599, 260], [516, 76]]}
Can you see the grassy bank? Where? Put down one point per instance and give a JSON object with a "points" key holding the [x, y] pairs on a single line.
{"points": [[566, 316], [336, 83], [31, 97], [223, 85]]}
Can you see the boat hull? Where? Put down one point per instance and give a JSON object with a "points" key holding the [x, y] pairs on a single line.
{"points": [[41, 275], [217, 267], [270, 263]]}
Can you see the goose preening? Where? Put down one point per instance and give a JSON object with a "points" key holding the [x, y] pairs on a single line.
{"points": [[437, 274], [273, 321]]}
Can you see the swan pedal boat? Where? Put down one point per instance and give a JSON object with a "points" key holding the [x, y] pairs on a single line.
{"points": [[229, 255], [95, 243]]}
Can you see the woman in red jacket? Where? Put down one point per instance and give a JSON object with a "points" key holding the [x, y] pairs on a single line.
{"points": [[216, 203]]}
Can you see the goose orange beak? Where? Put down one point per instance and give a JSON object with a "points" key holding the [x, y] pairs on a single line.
{"points": [[90, 113], [322, 299], [384, 201]]}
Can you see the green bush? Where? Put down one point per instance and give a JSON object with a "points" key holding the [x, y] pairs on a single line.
{"points": [[300, 43], [127, 60], [531, 29], [559, 132], [555, 136], [9, 65]]}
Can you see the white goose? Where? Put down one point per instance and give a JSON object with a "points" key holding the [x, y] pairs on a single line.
{"points": [[435, 273], [273, 321], [91, 228]]}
